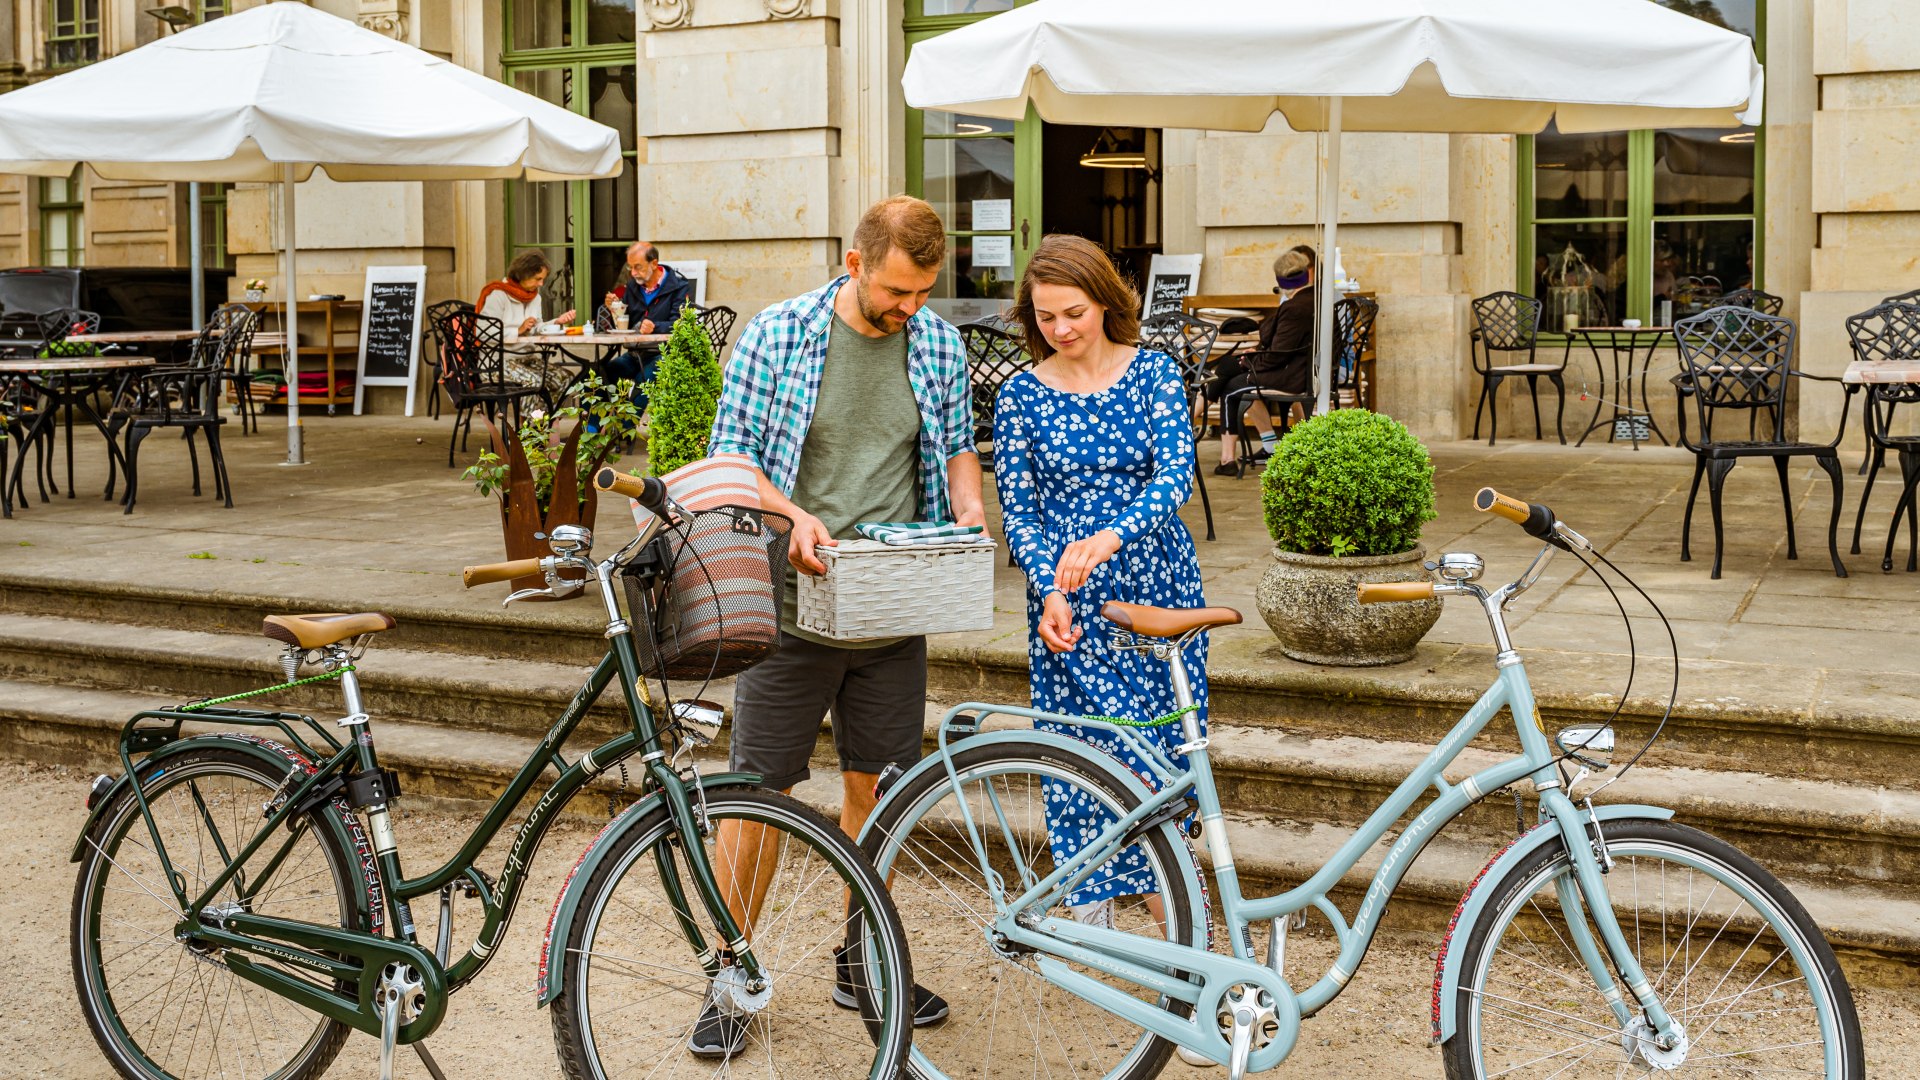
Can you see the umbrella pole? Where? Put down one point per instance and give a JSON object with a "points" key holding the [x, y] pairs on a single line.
{"points": [[290, 363], [1323, 286], [197, 290]]}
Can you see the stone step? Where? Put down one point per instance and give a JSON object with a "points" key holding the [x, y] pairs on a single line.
{"points": [[1849, 831], [1876, 928], [1848, 742]]}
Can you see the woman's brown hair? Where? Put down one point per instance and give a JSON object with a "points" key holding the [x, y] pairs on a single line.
{"points": [[1080, 263], [525, 265]]}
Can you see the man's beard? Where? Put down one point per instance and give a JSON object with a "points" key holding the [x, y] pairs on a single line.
{"points": [[877, 317]]}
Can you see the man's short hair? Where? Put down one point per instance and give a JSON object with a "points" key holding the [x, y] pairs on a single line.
{"points": [[652, 253], [902, 222]]}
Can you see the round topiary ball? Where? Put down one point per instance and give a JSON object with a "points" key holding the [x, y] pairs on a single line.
{"points": [[1348, 482]]}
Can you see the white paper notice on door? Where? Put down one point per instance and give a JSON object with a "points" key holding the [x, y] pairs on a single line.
{"points": [[990, 215], [992, 251]]}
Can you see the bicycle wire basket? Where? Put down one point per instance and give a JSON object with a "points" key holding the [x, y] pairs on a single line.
{"points": [[712, 606]]}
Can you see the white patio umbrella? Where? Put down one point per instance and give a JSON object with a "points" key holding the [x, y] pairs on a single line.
{"points": [[279, 90], [1498, 66]]}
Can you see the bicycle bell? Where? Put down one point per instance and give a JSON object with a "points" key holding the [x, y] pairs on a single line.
{"points": [[570, 539], [1460, 566]]}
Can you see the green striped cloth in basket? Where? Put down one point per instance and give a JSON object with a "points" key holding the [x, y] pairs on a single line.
{"points": [[909, 533]]}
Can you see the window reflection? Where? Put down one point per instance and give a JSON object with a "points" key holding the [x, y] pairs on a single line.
{"points": [[1703, 171], [1580, 273], [1696, 262], [1579, 176], [959, 171]]}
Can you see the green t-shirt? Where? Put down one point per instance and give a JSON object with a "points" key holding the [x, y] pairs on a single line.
{"points": [[861, 459]]}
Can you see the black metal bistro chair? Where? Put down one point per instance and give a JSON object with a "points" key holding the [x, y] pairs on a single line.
{"points": [[1876, 455], [1189, 341], [226, 343], [717, 321], [183, 398], [993, 357], [1353, 319], [1734, 362], [431, 349], [1759, 301], [1509, 323], [474, 373], [1889, 331], [61, 323]]}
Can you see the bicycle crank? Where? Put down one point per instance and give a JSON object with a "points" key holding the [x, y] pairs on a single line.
{"points": [[1249, 1020], [398, 998]]}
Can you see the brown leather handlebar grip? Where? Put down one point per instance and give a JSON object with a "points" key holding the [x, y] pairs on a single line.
{"points": [[500, 571], [1387, 592], [1489, 501], [621, 483]]}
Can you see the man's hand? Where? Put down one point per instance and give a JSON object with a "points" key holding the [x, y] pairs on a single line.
{"points": [[1056, 626], [1081, 558], [608, 300], [646, 326], [975, 516], [808, 533]]}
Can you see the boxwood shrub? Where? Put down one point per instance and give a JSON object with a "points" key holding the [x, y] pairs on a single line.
{"points": [[1348, 482]]}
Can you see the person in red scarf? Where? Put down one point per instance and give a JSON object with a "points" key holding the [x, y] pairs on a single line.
{"points": [[515, 301]]}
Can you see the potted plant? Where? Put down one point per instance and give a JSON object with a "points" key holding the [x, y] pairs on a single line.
{"points": [[256, 290], [683, 396], [542, 477], [1345, 496]]}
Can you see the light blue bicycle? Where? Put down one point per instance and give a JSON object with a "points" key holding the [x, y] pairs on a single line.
{"points": [[1605, 941]]}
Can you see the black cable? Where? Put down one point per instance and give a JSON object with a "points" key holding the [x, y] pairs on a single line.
{"points": [[1633, 652], [1673, 695]]}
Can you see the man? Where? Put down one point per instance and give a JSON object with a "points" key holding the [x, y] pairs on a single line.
{"points": [[853, 403], [654, 295]]}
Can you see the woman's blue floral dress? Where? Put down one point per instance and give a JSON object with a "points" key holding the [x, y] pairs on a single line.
{"points": [[1067, 466]]}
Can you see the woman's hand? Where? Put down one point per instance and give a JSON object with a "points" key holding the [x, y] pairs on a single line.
{"points": [[527, 324], [1081, 558], [808, 533], [1056, 626], [565, 318]]}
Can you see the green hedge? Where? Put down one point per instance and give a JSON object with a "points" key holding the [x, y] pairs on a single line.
{"points": [[1348, 482]]}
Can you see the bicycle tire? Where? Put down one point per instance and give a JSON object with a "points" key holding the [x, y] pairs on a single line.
{"points": [[800, 1033], [116, 985], [1077, 1035], [1772, 1030]]}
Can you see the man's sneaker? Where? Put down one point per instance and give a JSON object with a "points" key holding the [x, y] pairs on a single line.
{"points": [[928, 1007], [716, 1035]]}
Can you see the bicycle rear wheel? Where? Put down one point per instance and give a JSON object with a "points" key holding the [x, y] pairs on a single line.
{"points": [[1006, 1019], [163, 1008], [634, 993], [1733, 956]]}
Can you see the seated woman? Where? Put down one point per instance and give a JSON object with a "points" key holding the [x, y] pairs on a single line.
{"points": [[1283, 360], [515, 301]]}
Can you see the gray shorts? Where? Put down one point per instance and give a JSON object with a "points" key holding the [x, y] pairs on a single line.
{"points": [[878, 698]]}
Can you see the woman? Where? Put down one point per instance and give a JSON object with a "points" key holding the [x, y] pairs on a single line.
{"points": [[1283, 360], [515, 301], [1093, 457]]}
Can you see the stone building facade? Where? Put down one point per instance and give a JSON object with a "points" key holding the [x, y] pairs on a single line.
{"points": [[757, 130]]}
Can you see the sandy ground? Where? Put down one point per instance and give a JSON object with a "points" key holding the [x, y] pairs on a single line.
{"points": [[1377, 1029]]}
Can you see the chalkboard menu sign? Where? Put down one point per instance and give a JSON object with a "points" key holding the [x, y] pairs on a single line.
{"points": [[1170, 280], [390, 329]]}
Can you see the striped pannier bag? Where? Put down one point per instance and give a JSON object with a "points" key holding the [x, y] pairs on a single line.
{"points": [[718, 611]]}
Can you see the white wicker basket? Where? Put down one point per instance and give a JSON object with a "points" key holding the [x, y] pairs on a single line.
{"points": [[876, 590]]}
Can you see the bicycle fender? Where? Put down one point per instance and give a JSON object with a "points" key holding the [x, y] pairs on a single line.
{"points": [[369, 896], [553, 965], [1446, 969], [1093, 756]]}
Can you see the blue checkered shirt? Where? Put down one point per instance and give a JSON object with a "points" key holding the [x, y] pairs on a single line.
{"points": [[773, 383]]}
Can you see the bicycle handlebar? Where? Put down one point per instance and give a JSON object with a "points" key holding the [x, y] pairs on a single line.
{"points": [[504, 571], [1387, 592], [1536, 519], [649, 491]]}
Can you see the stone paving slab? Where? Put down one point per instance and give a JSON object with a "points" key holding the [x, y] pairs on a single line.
{"points": [[380, 520]]}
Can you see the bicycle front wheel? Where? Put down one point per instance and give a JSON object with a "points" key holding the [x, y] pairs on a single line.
{"points": [[635, 1000], [1006, 1019], [160, 1007], [1732, 955]]}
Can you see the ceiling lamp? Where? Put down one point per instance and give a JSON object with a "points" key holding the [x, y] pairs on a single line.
{"points": [[1108, 152]]}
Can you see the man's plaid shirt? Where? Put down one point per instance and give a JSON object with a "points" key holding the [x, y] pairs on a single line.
{"points": [[773, 383]]}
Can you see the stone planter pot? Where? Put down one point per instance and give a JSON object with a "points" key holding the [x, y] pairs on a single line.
{"points": [[255, 296], [1309, 602]]}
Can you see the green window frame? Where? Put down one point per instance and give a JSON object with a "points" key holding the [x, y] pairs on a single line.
{"points": [[208, 10], [558, 56], [73, 32], [1025, 227], [1642, 224], [63, 221], [213, 227]]}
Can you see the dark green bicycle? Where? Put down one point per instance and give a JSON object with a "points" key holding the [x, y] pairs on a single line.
{"points": [[241, 902]]}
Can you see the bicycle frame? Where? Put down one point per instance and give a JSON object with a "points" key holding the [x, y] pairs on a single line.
{"points": [[1171, 969], [302, 943]]}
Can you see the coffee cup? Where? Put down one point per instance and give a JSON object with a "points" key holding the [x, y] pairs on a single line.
{"points": [[620, 320], [1631, 324]]}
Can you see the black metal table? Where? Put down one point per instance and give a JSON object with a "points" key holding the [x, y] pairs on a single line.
{"points": [[69, 384], [1624, 344]]}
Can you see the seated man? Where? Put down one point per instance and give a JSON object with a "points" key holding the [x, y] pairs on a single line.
{"points": [[654, 296]]}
